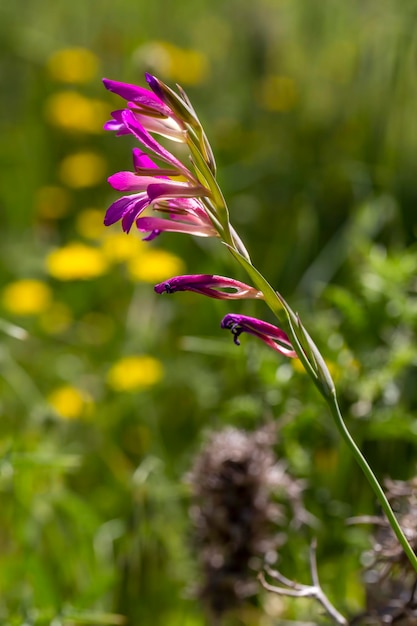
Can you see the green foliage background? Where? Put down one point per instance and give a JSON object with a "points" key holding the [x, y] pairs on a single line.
{"points": [[321, 185]]}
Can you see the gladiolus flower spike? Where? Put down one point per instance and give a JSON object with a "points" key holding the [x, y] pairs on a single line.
{"points": [[192, 202], [161, 111], [154, 185]]}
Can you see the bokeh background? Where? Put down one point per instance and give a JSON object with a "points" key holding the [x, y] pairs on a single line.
{"points": [[106, 389]]}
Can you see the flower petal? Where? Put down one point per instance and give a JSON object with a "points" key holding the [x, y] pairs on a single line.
{"points": [[149, 142], [128, 181], [133, 212], [127, 205], [139, 95], [116, 210], [141, 160], [175, 189]]}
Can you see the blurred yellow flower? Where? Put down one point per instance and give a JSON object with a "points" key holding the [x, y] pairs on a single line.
{"points": [[26, 297], [76, 261], [72, 111], [189, 67], [118, 247], [278, 93], [56, 319], [89, 224], [155, 265], [82, 169], [134, 372], [186, 66], [73, 65], [52, 202], [69, 402]]}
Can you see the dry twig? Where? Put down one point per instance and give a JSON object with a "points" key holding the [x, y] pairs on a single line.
{"points": [[293, 589]]}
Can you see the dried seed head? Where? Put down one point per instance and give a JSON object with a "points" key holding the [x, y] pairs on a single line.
{"points": [[390, 581], [232, 481]]}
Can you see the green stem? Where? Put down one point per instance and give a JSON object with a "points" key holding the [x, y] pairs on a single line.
{"points": [[372, 480], [277, 305]]}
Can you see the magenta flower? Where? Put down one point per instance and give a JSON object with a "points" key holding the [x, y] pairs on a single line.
{"points": [[128, 208], [166, 127], [134, 127], [273, 336], [139, 96], [147, 108], [186, 215], [188, 226], [150, 184], [210, 285], [180, 200], [154, 188]]}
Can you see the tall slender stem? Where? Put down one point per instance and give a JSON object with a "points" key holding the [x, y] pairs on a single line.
{"points": [[372, 480], [277, 305]]}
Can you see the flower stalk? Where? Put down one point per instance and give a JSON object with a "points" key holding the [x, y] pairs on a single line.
{"points": [[195, 205]]}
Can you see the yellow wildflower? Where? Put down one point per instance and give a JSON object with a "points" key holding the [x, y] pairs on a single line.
{"points": [[189, 67], [72, 111], [155, 265], [69, 402], [73, 65], [76, 261], [118, 247], [89, 224], [134, 372], [186, 66], [26, 297], [82, 169]]}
